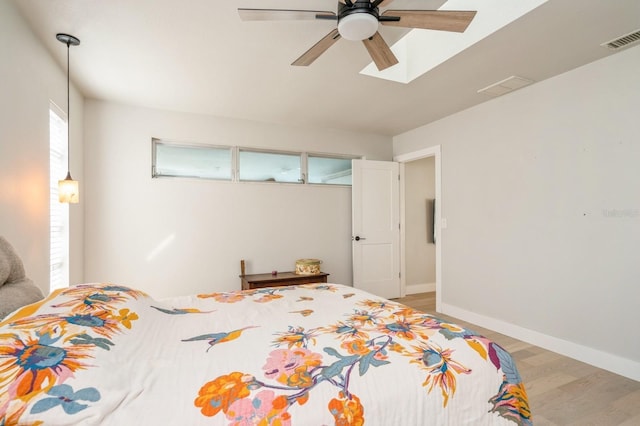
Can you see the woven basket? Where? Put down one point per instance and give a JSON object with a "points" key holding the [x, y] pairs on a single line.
{"points": [[308, 266]]}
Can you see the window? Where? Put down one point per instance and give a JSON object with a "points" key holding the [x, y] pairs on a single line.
{"points": [[198, 161], [329, 170], [58, 212], [236, 164], [269, 166]]}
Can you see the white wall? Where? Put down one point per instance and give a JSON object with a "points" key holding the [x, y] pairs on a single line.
{"points": [[541, 192], [29, 79], [420, 254], [174, 236]]}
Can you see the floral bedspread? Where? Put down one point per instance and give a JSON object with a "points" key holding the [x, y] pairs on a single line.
{"points": [[316, 354]]}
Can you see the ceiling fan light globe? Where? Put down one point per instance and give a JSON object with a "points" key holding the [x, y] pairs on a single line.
{"points": [[358, 26]]}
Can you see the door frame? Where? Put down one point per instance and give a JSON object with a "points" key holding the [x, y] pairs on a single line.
{"points": [[433, 151]]}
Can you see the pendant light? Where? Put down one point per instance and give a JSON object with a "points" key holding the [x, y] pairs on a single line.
{"points": [[68, 191]]}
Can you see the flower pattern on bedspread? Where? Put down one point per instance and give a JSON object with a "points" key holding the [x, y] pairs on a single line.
{"points": [[297, 370], [44, 351], [332, 348]]}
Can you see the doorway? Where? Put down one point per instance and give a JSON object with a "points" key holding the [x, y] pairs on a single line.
{"points": [[417, 246]]}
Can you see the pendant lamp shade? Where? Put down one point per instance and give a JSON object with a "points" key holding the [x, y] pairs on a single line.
{"points": [[68, 189]]}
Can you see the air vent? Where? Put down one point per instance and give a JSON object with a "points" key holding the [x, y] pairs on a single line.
{"points": [[624, 41], [505, 86]]}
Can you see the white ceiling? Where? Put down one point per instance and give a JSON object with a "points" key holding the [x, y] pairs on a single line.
{"points": [[197, 56]]}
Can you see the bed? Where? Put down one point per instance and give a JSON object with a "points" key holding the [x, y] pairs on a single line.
{"points": [[315, 354]]}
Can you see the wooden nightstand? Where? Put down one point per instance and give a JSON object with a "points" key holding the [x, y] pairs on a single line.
{"points": [[280, 279]]}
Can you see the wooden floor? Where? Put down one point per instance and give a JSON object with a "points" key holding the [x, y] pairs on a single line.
{"points": [[562, 391]]}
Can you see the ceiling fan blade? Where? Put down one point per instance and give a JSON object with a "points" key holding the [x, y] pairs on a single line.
{"points": [[283, 14], [443, 20], [380, 52], [317, 49]]}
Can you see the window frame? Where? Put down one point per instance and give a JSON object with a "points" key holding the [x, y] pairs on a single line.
{"points": [[59, 273], [239, 149], [157, 141], [235, 162], [330, 156]]}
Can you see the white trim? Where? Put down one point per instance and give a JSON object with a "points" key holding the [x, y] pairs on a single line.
{"points": [[403, 221], [432, 151], [59, 111], [420, 288], [416, 155], [607, 361], [58, 212]]}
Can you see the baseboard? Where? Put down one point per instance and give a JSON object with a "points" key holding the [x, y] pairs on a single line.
{"points": [[618, 365], [420, 288]]}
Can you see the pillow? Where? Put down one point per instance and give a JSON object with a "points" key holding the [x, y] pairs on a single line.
{"points": [[16, 290], [11, 267]]}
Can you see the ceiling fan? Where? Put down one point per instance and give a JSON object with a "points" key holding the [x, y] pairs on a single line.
{"points": [[359, 20]]}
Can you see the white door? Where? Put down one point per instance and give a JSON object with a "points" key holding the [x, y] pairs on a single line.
{"points": [[376, 227]]}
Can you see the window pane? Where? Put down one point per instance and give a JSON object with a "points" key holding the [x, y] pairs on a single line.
{"points": [[269, 167], [192, 161], [329, 171], [58, 212]]}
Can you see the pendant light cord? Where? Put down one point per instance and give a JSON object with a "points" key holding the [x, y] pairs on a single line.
{"points": [[68, 117], [68, 188]]}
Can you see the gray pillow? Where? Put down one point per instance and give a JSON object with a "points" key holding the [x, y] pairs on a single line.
{"points": [[16, 290]]}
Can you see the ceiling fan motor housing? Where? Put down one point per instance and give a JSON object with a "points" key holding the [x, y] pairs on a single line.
{"points": [[358, 21]]}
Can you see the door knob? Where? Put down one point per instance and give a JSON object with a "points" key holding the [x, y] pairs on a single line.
{"points": [[358, 238]]}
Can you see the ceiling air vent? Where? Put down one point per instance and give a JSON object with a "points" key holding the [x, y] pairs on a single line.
{"points": [[624, 41]]}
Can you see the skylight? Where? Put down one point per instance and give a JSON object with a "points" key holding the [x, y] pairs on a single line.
{"points": [[419, 51]]}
